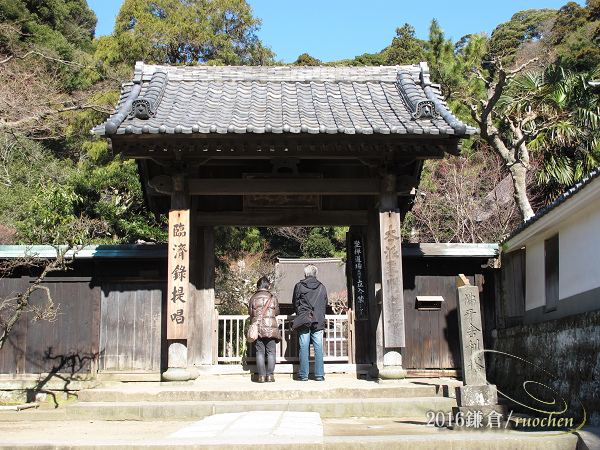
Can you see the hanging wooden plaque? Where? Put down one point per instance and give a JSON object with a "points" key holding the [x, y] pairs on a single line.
{"points": [[359, 277], [179, 264]]}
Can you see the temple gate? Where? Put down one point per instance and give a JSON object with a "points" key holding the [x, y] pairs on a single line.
{"points": [[283, 146]]}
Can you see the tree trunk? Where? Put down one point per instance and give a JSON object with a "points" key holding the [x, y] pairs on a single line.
{"points": [[515, 157], [518, 173]]}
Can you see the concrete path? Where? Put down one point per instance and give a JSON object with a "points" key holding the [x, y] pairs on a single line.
{"points": [[268, 429], [255, 426]]}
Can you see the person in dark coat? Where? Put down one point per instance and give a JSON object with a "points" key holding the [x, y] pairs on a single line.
{"points": [[310, 296], [268, 330]]}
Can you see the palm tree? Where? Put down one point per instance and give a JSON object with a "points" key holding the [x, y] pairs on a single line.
{"points": [[562, 126]]}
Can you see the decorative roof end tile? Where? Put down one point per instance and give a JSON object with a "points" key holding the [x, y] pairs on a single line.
{"points": [[425, 109], [146, 107], [418, 106]]}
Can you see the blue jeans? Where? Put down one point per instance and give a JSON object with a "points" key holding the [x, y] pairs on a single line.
{"points": [[305, 337], [266, 346]]}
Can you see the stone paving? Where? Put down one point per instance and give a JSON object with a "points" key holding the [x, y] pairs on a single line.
{"points": [[271, 427], [244, 427]]}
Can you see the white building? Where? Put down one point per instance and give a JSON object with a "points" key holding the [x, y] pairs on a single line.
{"points": [[548, 313], [555, 256]]}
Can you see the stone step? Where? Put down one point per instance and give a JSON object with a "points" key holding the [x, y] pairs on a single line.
{"points": [[252, 392], [327, 408], [337, 396]]}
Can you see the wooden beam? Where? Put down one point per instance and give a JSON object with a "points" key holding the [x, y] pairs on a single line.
{"points": [[291, 186], [265, 144], [308, 218]]}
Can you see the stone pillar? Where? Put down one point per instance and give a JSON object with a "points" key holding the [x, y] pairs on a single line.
{"points": [[392, 288], [178, 282], [471, 333], [476, 396], [177, 360]]}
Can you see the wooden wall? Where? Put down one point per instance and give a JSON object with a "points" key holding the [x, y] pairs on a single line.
{"points": [[130, 327], [432, 340], [67, 345], [110, 319], [432, 335], [511, 302], [12, 355]]}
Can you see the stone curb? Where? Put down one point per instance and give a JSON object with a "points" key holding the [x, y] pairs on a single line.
{"points": [[365, 407], [275, 393], [486, 441]]}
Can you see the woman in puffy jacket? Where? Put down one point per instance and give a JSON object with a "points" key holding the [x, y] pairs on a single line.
{"points": [[268, 330]]}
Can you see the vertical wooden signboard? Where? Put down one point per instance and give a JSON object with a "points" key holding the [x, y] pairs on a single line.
{"points": [[391, 280], [179, 266], [359, 277]]}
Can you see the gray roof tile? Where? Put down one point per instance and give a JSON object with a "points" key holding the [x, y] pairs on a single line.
{"points": [[566, 196], [278, 99]]}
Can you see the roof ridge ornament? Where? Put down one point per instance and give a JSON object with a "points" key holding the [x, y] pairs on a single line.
{"points": [[419, 107], [440, 104], [145, 107], [425, 109]]}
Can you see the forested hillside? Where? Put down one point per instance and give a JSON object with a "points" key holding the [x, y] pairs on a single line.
{"points": [[529, 87]]}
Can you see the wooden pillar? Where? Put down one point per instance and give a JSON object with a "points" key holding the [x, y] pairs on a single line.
{"points": [[373, 262], [201, 334], [392, 287], [359, 293], [178, 281]]}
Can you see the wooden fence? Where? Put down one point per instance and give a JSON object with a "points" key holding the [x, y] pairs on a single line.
{"points": [[231, 346]]}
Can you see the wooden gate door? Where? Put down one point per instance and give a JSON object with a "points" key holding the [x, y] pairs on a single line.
{"points": [[130, 327], [431, 332]]}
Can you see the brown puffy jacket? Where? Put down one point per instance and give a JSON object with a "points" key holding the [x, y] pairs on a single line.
{"points": [[267, 328]]}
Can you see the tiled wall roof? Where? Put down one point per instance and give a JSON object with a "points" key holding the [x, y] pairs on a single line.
{"points": [[555, 204], [275, 99]]}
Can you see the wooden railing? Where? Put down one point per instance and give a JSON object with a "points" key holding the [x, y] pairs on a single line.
{"points": [[231, 345]]}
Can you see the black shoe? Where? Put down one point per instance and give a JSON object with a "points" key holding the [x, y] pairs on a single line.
{"points": [[261, 379], [319, 378], [270, 379], [301, 379]]}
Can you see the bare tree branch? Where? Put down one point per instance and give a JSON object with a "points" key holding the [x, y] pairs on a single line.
{"points": [[520, 68], [13, 306], [19, 303]]}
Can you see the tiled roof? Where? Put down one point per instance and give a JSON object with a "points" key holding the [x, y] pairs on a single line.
{"points": [[555, 204], [156, 251], [278, 99], [150, 251], [451, 250]]}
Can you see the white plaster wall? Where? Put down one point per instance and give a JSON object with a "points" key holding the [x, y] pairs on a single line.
{"points": [[577, 222], [535, 285], [579, 256], [579, 250]]}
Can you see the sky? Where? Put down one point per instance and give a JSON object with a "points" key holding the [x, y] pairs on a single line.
{"points": [[331, 30]]}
